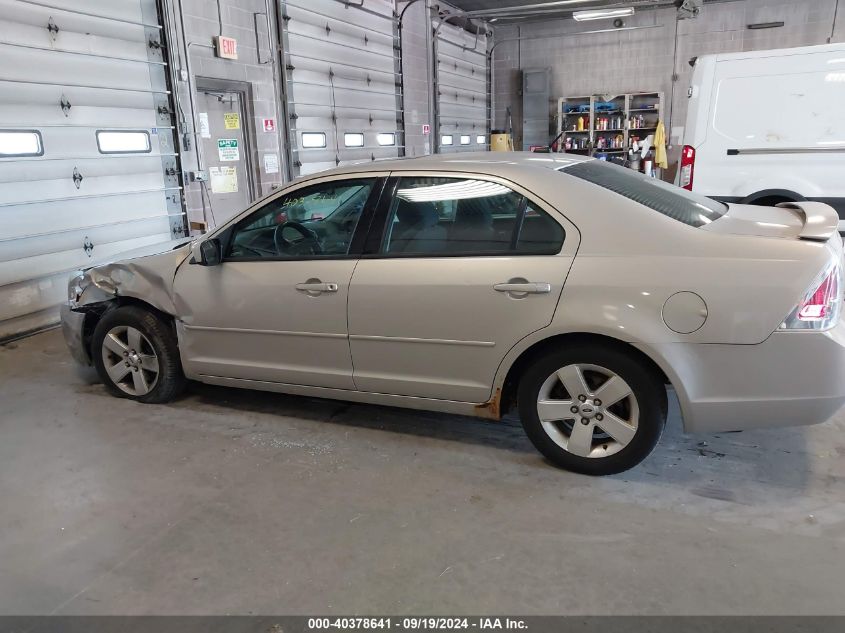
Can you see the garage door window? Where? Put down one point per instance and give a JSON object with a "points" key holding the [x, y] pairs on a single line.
{"points": [[452, 216], [123, 142], [20, 143]]}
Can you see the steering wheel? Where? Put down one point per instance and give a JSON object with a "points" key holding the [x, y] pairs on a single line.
{"points": [[285, 246]]}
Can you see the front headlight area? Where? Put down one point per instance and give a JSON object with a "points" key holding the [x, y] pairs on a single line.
{"points": [[76, 286]]}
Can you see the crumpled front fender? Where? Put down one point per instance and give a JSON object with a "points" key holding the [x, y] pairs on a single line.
{"points": [[148, 278]]}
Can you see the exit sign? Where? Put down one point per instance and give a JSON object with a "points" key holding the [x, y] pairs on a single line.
{"points": [[226, 47]]}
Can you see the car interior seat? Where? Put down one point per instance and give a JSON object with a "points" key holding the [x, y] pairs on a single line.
{"points": [[473, 229], [417, 230]]}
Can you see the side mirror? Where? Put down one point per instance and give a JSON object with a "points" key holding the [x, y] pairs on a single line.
{"points": [[211, 252]]}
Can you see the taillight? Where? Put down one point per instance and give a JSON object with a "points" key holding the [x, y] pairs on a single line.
{"points": [[687, 167], [820, 307]]}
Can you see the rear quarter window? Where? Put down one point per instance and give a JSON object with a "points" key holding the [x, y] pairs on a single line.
{"points": [[679, 204]]}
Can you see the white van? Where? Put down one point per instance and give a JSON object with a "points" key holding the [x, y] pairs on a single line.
{"points": [[765, 127]]}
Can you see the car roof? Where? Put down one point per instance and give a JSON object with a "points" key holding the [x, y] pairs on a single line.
{"points": [[495, 163]]}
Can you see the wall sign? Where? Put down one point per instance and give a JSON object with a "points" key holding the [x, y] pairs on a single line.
{"points": [[271, 164], [232, 120], [226, 47], [426, 129], [205, 129], [224, 179], [269, 125], [227, 149]]}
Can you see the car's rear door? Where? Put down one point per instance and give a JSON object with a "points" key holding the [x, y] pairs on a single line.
{"points": [[456, 270], [276, 312]]}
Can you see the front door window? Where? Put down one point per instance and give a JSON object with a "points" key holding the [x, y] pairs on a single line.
{"points": [[316, 221]]}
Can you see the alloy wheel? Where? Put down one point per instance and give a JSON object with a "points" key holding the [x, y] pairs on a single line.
{"points": [[588, 410], [130, 360]]}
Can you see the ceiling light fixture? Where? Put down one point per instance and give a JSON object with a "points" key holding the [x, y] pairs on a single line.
{"points": [[602, 14]]}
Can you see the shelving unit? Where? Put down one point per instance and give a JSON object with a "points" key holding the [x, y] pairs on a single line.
{"points": [[607, 130]]}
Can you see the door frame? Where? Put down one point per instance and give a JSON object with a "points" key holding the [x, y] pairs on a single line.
{"points": [[244, 91]]}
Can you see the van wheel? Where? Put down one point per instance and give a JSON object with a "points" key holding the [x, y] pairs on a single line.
{"points": [[770, 201], [136, 355], [592, 410]]}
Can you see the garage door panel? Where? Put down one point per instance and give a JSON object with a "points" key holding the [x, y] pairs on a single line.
{"points": [[51, 95], [94, 166], [339, 15], [62, 143], [121, 20], [114, 12], [65, 262], [462, 91], [368, 45], [64, 190], [70, 240], [41, 217], [50, 290], [48, 67], [341, 77], [76, 203], [29, 36], [80, 115]]}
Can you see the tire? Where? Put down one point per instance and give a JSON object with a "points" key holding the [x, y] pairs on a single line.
{"points": [[142, 355], [576, 440]]}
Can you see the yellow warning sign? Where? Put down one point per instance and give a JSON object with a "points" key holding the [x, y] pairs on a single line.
{"points": [[232, 120]]}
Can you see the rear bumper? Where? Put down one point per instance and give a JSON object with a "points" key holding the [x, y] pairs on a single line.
{"points": [[73, 324], [791, 379]]}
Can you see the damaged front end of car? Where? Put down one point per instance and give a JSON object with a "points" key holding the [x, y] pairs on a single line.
{"points": [[142, 277]]}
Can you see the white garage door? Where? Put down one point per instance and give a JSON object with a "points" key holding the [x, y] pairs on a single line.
{"points": [[341, 82], [461, 117], [87, 161]]}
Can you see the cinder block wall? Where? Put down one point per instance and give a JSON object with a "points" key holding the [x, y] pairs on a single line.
{"points": [[201, 24], [646, 60]]}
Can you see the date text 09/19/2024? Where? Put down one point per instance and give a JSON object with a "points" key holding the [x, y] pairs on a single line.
{"points": [[416, 623]]}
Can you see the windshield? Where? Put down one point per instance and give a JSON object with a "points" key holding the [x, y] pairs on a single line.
{"points": [[679, 204]]}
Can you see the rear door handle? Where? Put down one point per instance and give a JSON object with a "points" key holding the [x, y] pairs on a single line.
{"points": [[529, 287], [319, 286]]}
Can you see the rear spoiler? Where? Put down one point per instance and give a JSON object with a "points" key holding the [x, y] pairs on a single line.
{"points": [[820, 220]]}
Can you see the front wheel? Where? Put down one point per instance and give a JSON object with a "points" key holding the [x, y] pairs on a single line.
{"points": [[591, 409], [136, 355]]}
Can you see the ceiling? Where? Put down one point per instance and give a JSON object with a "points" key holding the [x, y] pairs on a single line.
{"points": [[563, 5], [548, 8]]}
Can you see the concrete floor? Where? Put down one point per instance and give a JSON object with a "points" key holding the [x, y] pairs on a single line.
{"points": [[243, 502]]}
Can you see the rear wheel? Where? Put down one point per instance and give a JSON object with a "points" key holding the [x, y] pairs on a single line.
{"points": [[593, 410], [136, 355]]}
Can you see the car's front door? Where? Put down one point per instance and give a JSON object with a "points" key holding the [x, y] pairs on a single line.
{"points": [[274, 310], [461, 270]]}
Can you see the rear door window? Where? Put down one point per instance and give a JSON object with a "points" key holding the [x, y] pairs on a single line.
{"points": [[458, 216], [679, 204]]}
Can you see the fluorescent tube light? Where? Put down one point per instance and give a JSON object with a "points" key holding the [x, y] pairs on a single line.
{"points": [[601, 14]]}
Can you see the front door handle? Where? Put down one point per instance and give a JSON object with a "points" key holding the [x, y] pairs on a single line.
{"points": [[529, 287], [316, 286]]}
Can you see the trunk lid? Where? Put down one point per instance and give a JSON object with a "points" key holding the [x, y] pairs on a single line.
{"points": [[789, 220]]}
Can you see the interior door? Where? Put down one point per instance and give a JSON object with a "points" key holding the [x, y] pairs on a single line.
{"points": [[226, 150], [466, 267], [275, 308]]}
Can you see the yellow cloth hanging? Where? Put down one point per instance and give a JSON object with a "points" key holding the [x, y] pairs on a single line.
{"points": [[660, 146]]}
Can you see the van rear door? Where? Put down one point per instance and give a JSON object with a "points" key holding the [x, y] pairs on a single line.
{"points": [[774, 123]]}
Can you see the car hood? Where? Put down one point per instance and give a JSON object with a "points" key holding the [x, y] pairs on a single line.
{"points": [[146, 273]]}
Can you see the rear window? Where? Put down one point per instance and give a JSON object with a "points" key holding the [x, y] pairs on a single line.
{"points": [[679, 204]]}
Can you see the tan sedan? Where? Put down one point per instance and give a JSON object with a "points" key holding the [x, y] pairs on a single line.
{"points": [[573, 290]]}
